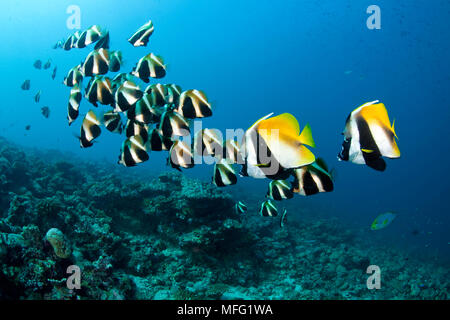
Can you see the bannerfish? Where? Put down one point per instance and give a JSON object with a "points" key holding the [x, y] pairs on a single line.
{"points": [[383, 220], [224, 174], [150, 66], [268, 209], [89, 36], [369, 136], [283, 218], [173, 124], [144, 111], [47, 64], [37, 97], [194, 104], [158, 142], [312, 179], [54, 72], [115, 61], [96, 63], [274, 145], [90, 129], [37, 64], [208, 142], [157, 93], [74, 103], [173, 94], [126, 96], [240, 207], [180, 155], [26, 85], [135, 129], [103, 42], [113, 122], [71, 41], [141, 36], [99, 90], [74, 76], [120, 78], [58, 44], [231, 152], [280, 190], [133, 152], [45, 112]]}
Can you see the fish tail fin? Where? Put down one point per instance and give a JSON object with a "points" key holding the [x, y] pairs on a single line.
{"points": [[306, 136]]}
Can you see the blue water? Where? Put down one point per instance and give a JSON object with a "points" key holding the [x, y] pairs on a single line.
{"points": [[314, 59]]}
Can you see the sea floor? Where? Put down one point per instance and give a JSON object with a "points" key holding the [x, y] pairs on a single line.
{"points": [[174, 237]]}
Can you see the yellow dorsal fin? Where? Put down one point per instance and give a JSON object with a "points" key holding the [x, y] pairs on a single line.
{"points": [[376, 112], [306, 136]]}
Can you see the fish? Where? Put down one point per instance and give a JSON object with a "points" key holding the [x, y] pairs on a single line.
{"points": [[135, 129], [273, 146], [90, 129], [47, 64], [144, 112], [280, 190], [180, 156], [231, 151], [54, 72], [115, 61], [142, 35], [369, 136], [126, 96], [74, 76], [133, 151], [74, 103], [173, 94], [99, 90], [173, 124], [89, 36], [224, 174], [208, 142], [383, 220], [157, 142], [103, 42], [96, 63], [45, 112], [71, 41], [26, 85], [27, 127], [268, 209], [120, 78], [113, 122], [312, 179], [157, 93], [194, 104], [37, 97], [149, 66], [283, 218], [240, 207], [59, 44], [37, 64]]}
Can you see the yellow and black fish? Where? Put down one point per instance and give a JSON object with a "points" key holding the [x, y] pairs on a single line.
{"points": [[141, 36], [224, 174], [135, 129], [89, 36], [208, 142], [280, 190], [71, 41], [74, 76], [115, 61], [103, 42], [312, 179], [74, 103], [173, 94], [25, 85], [90, 129], [127, 95], [240, 207], [113, 122], [157, 94], [96, 63], [173, 124], [37, 97], [194, 104], [180, 156], [268, 209], [157, 142], [144, 111], [133, 152], [99, 90], [369, 136], [150, 66]]}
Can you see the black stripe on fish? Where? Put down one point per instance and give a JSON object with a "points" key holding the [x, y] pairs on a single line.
{"points": [[180, 156], [194, 104], [268, 209], [157, 142], [173, 124], [127, 95], [367, 142], [224, 174]]}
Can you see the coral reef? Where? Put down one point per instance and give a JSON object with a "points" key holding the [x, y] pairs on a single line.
{"points": [[173, 237]]}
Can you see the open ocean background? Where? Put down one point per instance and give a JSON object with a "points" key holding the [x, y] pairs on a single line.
{"points": [[314, 59]]}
